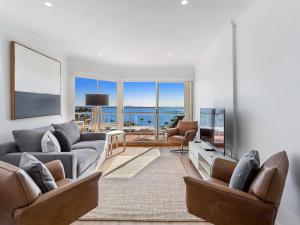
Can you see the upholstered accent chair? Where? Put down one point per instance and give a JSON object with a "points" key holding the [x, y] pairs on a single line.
{"points": [[215, 202], [182, 134], [22, 203]]}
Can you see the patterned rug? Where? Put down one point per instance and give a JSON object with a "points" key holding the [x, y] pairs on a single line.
{"points": [[155, 191]]}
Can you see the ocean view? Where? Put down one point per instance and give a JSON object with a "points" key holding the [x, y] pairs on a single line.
{"points": [[133, 116]]}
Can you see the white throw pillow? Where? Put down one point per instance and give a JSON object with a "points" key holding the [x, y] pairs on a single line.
{"points": [[49, 143]]}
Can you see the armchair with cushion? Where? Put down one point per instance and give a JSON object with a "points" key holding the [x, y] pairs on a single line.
{"points": [[21, 201], [183, 133], [214, 201]]}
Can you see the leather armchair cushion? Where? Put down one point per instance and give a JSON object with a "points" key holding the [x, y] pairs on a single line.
{"points": [[172, 131], [56, 168], [222, 169], [177, 139], [269, 183]]}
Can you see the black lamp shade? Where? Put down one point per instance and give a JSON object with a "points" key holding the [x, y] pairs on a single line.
{"points": [[96, 100]]}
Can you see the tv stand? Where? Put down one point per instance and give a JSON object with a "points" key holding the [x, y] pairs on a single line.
{"points": [[202, 157]]}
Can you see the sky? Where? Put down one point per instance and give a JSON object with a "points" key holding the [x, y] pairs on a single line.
{"points": [[135, 93]]}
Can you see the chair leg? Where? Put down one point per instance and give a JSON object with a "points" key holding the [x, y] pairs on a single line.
{"points": [[181, 150]]}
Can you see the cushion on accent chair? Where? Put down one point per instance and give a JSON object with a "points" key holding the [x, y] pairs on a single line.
{"points": [[245, 171], [30, 140], [71, 129], [63, 140], [38, 172], [50, 143]]}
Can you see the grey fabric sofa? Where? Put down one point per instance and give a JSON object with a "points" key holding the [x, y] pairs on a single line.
{"points": [[86, 153]]}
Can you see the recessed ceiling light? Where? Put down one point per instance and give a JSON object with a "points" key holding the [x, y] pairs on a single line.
{"points": [[184, 2], [170, 54], [48, 4], [100, 54]]}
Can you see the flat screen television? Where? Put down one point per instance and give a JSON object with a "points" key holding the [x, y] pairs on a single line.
{"points": [[212, 127]]}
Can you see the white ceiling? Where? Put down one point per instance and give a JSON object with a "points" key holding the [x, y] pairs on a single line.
{"points": [[126, 32]]}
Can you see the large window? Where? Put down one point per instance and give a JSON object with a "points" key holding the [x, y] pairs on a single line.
{"points": [[144, 109], [83, 113]]}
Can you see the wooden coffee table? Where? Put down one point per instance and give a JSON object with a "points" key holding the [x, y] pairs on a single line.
{"points": [[110, 136]]}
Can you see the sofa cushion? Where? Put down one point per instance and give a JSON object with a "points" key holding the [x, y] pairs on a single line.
{"points": [[50, 143], [71, 129], [38, 172], [30, 140], [269, 183], [85, 158], [63, 140], [245, 171], [89, 144]]}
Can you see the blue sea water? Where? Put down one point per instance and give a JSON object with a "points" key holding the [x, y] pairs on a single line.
{"points": [[141, 116]]}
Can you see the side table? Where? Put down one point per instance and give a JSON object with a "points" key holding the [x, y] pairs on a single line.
{"points": [[110, 136]]}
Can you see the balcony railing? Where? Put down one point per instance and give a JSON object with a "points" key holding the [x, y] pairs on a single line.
{"points": [[139, 126]]}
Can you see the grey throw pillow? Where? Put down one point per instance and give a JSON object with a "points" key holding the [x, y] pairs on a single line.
{"points": [[64, 142], [38, 172], [30, 140], [71, 129], [49, 143], [245, 171]]}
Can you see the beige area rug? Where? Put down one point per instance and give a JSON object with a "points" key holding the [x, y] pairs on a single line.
{"points": [[121, 160], [156, 193], [131, 169]]}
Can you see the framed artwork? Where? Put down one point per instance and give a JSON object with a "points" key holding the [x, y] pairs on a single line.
{"points": [[35, 83]]}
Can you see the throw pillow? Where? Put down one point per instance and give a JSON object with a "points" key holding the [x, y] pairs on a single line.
{"points": [[30, 140], [63, 140], [71, 129], [49, 143], [245, 171], [38, 172]]}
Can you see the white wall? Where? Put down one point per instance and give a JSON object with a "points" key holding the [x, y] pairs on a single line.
{"points": [[268, 91], [213, 86], [9, 32]]}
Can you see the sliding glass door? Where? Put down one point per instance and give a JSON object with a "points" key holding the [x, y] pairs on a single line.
{"points": [[140, 111], [170, 105]]}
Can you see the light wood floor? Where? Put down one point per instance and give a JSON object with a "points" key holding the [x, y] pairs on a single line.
{"points": [[190, 170]]}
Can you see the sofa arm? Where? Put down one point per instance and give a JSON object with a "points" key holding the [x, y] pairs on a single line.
{"points": [[92, 136], [233, 207], [222, 169], [68, 159], [63, 205], [56, 168], [171, 132]]}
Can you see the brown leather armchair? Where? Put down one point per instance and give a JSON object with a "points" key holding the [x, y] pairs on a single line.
{"points": [[214, 201], [21, 201], [183, 133]]}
